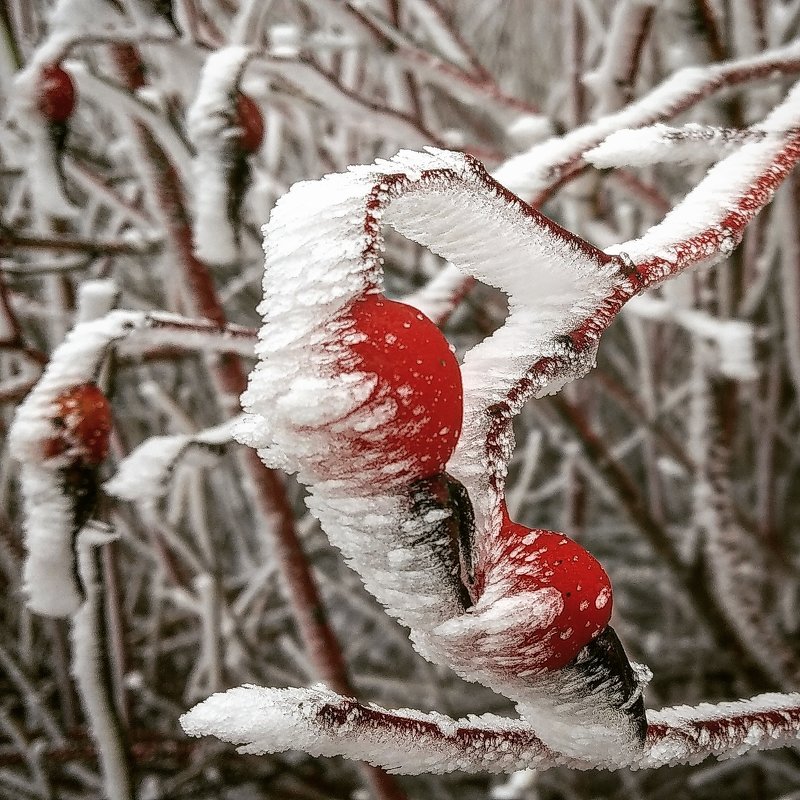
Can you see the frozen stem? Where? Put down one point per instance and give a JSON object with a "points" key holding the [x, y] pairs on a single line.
{"points": [[261, 720], [92, 670]]}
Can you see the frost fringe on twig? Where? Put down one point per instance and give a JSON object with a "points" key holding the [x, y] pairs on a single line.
{"points": [[144, 473], [213, 133], [407, 741], [90, 671], [536, 171]]}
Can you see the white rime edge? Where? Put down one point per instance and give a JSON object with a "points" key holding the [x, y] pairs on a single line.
{"points": [[210, 130], [87, 668], [662, 144], [538, 168], [702, 212], [144, 474], [260, 720], [302, 413]]}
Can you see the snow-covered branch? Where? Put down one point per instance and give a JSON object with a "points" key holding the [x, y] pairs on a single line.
{"points": [[451, 205], [316, 720], [535, 172], [143, 475], [54, 491]]}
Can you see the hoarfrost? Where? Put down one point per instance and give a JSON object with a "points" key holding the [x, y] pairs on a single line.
{"points": [[42, 160], [322, 723], [323, 245], [213, 135], [532, 172], [144, 474], [87, 666], [690, 144], [699, 220], [263, 720]]}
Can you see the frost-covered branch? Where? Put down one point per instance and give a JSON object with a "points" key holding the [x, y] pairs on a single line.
{"points": [[144, 474], [214, 133], [558, 319], [35, 438], [91, 671], [303, 389], [689, 144], [535, 172], [316, 720]]}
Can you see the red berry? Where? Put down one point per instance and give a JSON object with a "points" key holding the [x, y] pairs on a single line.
{"points": [[83, 415], [56, 93], [527, 560], [417, 369], [251, 123]]}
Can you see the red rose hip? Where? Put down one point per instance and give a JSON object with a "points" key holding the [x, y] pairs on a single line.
{"points": [[526, 560], [417, 369], [55, 93], [83, 417], [250, 122]]}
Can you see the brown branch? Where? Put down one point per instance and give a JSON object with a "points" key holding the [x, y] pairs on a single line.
{"points": [[444, 72], [10, 241], [708, 18]]}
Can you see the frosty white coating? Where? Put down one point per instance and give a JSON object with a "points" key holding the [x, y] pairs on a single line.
{"points": [[320, 722], [86, 670], [299, 405], [702, 212], [49, 572], [532, 172], [489, 235], [144, 473], [663, 144], [211, 132], [41, 158]]}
